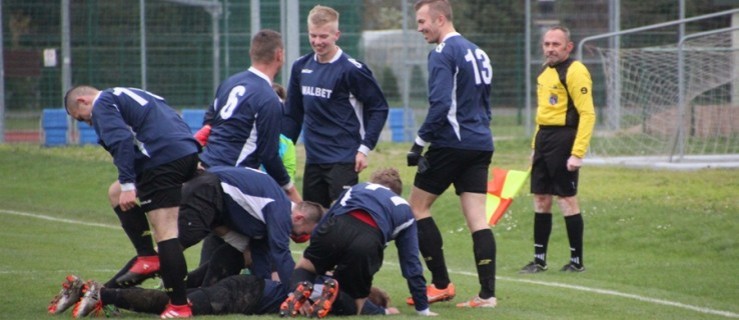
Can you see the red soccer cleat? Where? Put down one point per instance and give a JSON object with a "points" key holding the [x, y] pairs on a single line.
{"points": [[175, 311], [144, 268]]}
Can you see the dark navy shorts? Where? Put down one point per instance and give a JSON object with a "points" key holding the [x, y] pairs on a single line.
{"points": [[160, 187], [466, 169]]}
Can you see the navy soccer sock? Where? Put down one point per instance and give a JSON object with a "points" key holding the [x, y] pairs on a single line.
{"points": [[136, 226], [173, 270], [483, 243], [430, 244]]}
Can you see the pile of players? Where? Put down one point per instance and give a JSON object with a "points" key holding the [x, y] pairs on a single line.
{"points": [[210, 186]]}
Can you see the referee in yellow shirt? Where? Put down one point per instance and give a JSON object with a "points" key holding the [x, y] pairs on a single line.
{"points": [[565, 118]]}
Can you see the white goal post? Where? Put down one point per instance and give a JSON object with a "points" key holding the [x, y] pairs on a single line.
{"points": [[671, 102]]}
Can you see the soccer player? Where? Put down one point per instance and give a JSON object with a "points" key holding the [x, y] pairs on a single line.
{"points": [[236, 294], [155, 153], [286, 152], [565, 118], [350, 240], [457, 127], [245, 129], [339, 106], [249, 202], [246, 202]]}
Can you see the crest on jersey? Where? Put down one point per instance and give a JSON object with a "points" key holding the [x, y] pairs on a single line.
{"points": [[553, 99]]}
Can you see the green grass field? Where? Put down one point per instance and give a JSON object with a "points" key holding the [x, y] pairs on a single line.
{"points": [[658, 244]]}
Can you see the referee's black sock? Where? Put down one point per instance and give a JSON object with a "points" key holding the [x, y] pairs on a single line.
{"points": [[575, 230], [173, 270], [483, 243], [542, 230], [136, 226], [430, 245]]}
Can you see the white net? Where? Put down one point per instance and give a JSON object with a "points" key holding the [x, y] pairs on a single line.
{"points": [[644, 116]]}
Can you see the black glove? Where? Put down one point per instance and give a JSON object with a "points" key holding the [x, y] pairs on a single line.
{"points": [[414, 155], [423, 165]]}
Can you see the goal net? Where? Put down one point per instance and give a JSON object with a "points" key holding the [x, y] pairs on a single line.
{"points": [[648, 116]]}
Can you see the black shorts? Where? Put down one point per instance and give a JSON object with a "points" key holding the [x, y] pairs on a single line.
{"points": [[160, 187], [350, 247], [324, 183], [201, 208], [235, 294], [466, 169], [549, 174]]}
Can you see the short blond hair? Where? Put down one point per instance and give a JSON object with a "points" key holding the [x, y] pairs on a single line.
{"points": [[321, 15]]}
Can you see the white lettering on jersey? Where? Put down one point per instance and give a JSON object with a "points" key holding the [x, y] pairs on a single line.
{"points": [[397, 200], [306, 71], [355, 63], [440, 47], [317, 92]]}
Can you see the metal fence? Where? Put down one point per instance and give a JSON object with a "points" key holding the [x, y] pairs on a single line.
{"points": [[181, 48]]}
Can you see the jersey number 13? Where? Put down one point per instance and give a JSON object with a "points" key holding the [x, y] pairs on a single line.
{"points": [[483, 73]]}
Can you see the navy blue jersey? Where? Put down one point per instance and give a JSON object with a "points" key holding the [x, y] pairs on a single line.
{"points": [[246, 116], [255, 206], [274, 294], [395, 220], [139, 130], [338, 105], [459, 96]]}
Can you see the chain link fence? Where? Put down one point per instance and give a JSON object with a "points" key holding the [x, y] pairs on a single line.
{"points": [[180, 49]]}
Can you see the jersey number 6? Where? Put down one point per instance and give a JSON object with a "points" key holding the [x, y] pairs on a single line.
{"points": [[232, 102]]}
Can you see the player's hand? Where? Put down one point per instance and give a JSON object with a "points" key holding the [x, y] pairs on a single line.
{"points": [[247, 257], [414, 155], [293, 194], [574, 163], [305, 309], [127, 200], [392, 310], [360, 162]]}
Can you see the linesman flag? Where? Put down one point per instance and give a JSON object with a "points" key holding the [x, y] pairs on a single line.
{"points": [[503, 186]]}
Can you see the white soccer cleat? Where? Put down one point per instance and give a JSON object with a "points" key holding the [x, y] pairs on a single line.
{"points": [[68, 296]]}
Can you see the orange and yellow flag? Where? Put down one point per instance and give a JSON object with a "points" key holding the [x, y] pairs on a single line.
{"points": [[503, 186]]}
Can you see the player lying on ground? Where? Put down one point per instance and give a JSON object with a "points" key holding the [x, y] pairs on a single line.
{"points": [[237, 294]]}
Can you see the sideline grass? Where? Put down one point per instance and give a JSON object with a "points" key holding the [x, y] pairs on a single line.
{"points": [[658, 244]]}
